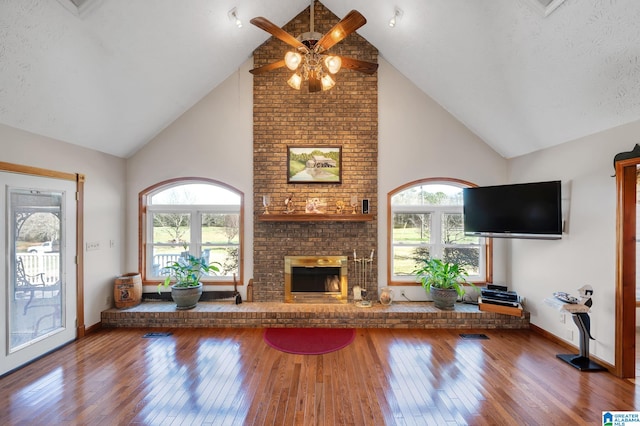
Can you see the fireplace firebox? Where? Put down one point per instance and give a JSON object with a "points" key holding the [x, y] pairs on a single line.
{"points": [[315, 279]]}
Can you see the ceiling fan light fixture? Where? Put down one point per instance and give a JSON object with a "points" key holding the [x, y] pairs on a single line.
{"points": [[327, 82], [333, 63], [295, 81], [292, 60], [308, 58]]}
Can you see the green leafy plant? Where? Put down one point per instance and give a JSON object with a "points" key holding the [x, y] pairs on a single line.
{"points": [[187, 271], [439, 274]]}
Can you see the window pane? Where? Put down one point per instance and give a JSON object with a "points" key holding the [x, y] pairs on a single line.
{"points": [[194, 193], [467, 257], [412, 228], [171, 228], [452, 228], [220, 228], [406, 259], [165, 255], [227, 257], [220, 239], [431, 195]]}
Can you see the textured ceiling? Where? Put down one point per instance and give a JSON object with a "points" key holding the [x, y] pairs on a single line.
{"points": [[113, 77]]}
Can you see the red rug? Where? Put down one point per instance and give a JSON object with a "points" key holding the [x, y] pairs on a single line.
{"points": [[309, 341]]}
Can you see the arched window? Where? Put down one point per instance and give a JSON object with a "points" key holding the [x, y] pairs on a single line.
{"points": [[194, 215], [425, 220]]}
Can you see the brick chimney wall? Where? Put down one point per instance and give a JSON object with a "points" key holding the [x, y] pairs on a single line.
{"points": [[346, 116]]}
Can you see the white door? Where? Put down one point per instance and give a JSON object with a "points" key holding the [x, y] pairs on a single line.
{"points": [[38, 264]]}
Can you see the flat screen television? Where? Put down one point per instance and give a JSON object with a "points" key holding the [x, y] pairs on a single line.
{"points": [[526, 210]]}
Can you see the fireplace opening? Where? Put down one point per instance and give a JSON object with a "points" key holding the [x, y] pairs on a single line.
{"points": [[315, 279]]}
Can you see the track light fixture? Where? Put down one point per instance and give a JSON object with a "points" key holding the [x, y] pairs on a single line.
{"points": [[397, 15], [233, 17]]}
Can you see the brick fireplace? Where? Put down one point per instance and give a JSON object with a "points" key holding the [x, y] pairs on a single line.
{"points": [[345, 116]]}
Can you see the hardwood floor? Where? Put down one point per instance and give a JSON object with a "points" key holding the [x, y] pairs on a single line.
{"points": [[386, 376]]}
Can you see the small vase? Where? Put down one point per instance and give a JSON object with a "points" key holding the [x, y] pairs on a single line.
{"points": [[186, 297], [386, 296]]}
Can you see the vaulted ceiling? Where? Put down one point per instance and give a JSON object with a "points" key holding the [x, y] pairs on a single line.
{"points": [[111, 75]]}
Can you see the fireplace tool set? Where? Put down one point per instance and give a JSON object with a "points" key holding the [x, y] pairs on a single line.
{"points": [[362, 267]]}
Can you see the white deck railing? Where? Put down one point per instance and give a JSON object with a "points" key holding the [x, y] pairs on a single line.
{"points": [[160, 261], [46, 263]]}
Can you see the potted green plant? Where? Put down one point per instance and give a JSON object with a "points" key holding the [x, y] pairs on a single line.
{"points": [[186, 273], [444, 280]]}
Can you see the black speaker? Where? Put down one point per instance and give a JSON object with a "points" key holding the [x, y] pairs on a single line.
{"points": [[365, 206]]}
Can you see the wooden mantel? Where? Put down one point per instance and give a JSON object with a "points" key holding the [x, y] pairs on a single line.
{"points": [[315, 217]]}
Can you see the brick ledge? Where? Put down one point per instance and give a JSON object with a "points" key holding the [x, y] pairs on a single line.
{"points": [[270, 314]]}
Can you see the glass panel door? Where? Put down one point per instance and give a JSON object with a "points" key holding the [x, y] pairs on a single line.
{"points": [[39, 251], [35, 298]]}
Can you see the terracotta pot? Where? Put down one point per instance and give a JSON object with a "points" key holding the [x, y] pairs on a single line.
{"points": [[444, 298], [186, 297]]}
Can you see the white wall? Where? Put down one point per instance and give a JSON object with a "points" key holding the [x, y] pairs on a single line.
{"points": [[103, 209], [418, 139], [586, 254], [213, 139]]}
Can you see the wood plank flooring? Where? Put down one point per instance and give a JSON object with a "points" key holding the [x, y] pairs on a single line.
{"points": [[386, 376]]}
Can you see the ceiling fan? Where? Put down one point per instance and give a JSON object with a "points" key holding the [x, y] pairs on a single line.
{"points": [[310, 60]]}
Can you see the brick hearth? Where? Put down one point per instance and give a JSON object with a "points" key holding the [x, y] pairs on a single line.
{"points": [[272, 314]]}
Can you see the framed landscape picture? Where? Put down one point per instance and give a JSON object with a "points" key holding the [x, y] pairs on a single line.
{"points": [[314, 164]]}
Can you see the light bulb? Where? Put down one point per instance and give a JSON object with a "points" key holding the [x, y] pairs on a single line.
{"points": [[292, 60], [397, 15], [295, 81], [333, 63], [327, 82], [233, 17]]}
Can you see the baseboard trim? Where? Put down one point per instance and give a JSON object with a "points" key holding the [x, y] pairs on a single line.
{"points": [[555, 339], [93, 328]]}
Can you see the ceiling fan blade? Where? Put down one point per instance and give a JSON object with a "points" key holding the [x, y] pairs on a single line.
{"points": [[358, 65], [342, 29], [268, 67], [314, 83], [277, 32]]}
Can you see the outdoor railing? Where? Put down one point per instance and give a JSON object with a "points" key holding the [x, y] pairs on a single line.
{"points": [[46, 263], [160, 261]]}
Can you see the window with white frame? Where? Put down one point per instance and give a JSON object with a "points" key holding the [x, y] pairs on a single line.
{"points": [[199, 217], [426, 222]]}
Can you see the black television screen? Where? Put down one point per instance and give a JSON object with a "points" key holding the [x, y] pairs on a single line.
{"points": [[527, 210]]}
